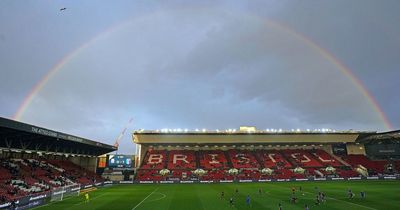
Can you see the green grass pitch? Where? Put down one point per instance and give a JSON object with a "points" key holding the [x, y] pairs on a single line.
{"points": [[382, 195]]}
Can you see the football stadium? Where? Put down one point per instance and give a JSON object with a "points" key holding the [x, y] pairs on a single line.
{"points": [[181, 169], [232, 105]]}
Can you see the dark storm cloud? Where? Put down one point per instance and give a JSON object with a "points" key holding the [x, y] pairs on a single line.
{"points": [[213, 68]]}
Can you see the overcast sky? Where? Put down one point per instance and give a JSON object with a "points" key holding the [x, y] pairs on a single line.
{"points": [[200, 64]]}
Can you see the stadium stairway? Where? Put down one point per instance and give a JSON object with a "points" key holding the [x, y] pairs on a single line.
{"points": [[257, 157], [339, 159], [197, 157], [288, 159], [166, 159], [146, 154], [228, 158], [322, 155], [319, 173]]}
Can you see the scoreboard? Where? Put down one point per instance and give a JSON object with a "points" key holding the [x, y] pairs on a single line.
{"points": [[120, 161]]}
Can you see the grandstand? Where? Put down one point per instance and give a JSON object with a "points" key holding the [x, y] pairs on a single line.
{"points": [[35, 161], [249, 155], [39, 165]]}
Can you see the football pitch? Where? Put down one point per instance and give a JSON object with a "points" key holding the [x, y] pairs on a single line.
{"points": [[382, 195]]}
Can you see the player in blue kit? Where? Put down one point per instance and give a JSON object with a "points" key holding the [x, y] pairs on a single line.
{"points": [[248, 200]]}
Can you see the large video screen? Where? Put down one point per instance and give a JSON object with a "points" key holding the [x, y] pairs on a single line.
{"points": [[120, 161]]}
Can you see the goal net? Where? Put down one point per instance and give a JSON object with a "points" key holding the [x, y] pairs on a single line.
{"points": [[67, 191]]}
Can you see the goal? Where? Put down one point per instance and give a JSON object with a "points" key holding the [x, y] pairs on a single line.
{"points": [[67, 191]]}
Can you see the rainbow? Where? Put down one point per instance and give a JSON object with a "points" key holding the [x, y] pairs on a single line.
{"points": [[301, 37], [56, 68], [342, 67]]}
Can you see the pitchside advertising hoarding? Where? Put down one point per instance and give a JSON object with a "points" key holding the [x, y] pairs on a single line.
{"points": [[262, 180]]}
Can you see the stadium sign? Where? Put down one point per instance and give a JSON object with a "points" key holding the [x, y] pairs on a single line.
{"points": [[37, 197], [76, 189], [264, 180], [372, 177], [283, 180], [43, 131], [4, 205], [167, 182], [389, 177], [226, 181], [141, 182], [32, 204], [337, 178], [55, 134], [59, 192], [27, 202], [185, 182]]}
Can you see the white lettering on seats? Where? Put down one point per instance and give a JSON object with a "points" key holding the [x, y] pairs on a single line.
{"points": [[180, 157], [242, 159], [306, 159], [214, 159], [323, 160], [155, 158], [271, 157]]}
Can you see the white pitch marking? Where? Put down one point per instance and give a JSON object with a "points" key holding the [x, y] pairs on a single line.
{"points": [[162, 194], [144, 199]]}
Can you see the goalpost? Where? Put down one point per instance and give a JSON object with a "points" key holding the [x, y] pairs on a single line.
{"points": [[66, 191]]}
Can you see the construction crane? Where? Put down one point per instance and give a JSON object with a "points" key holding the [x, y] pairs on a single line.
{"points": [[116, 144]]}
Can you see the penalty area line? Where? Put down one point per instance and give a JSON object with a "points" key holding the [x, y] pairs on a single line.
{"points": [[144, 199]]}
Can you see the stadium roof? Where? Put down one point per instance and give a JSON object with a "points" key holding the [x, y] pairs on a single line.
{"points": [[246, 137], [18, 136], [385, 137]]}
